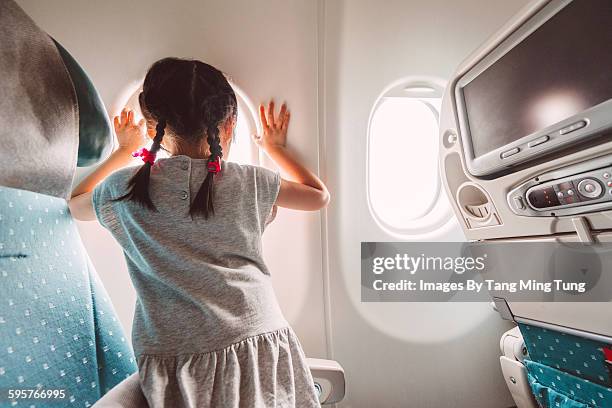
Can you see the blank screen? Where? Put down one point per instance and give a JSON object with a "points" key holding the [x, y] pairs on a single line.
{"points": [[561, 69]]}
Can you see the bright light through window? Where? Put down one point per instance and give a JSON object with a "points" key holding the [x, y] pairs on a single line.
{"points": [[404, 188], [242, 148]]}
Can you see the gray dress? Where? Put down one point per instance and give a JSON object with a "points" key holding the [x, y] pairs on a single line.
{"points": [[208, 331]]}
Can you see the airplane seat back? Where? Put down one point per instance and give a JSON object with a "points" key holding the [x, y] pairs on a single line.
{"points": [[58, 329], [497, 197], [525, 158], [561, 363]]}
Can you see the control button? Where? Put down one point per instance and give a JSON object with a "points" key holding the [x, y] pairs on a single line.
{"points": [[560, 194], [518, 203], [538, 141], [570, 192], [574, 126], [543, 197], [184, 195], [510, 152], [590, 188], [606, 175], [609, 183]]}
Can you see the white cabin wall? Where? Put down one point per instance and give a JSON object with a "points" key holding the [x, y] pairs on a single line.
{"points": [[398, 354], [269, 48]]}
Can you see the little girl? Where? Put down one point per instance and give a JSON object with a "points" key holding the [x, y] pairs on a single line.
{"points": [[208, 331]]}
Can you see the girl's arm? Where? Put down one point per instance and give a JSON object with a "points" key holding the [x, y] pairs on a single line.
{"points": [[304, 191], [130, 137]]}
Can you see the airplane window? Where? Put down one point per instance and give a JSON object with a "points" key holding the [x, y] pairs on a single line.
{"points": [[404, 187], [242, 150]]}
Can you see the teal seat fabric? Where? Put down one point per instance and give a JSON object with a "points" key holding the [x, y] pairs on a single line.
{"points": [[554, 388], [95, 131], [572, 354], [566, 371], [58, 329]]}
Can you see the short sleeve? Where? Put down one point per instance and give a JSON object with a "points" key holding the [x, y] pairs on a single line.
{"points": [[268, 185], [102, 200]]}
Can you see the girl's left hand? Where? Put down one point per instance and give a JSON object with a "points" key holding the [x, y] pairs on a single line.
{"points": [[274, 127], [129, 134]]}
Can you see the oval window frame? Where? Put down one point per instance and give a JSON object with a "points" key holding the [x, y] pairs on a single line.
{"points": [[430, 223]]}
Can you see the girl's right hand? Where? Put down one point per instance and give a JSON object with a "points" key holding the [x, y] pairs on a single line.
{"points": [[130, 134], [274, 127]]}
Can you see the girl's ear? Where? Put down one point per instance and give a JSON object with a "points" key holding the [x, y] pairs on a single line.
{"points": [[228, 126], [150, 131]]}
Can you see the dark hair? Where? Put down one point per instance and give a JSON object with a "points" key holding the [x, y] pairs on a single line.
{"points": [[191, 99]]}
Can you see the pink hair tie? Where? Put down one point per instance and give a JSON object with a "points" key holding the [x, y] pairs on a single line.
{"points": [[145, 155], [214, 166]]}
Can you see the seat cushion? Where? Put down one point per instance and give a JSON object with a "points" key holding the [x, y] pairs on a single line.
{"points": [[58, 329]]}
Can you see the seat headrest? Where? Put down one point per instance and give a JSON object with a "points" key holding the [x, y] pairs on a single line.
{"points": [[43, 90], [95, 131]]}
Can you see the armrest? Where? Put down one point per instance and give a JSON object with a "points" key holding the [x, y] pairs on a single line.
{"points": [[329, 380]]}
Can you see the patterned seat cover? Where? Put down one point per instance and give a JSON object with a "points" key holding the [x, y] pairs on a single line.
{"points": [[566, 371], [58, 329]]}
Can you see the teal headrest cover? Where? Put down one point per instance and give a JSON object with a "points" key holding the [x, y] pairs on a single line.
{"points": [[95, 132]]}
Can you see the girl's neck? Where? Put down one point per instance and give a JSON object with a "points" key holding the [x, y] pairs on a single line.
{"points": [[195, 152]]}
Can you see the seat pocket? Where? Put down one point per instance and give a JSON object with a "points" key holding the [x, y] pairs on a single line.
{"points": [[553, 388]]}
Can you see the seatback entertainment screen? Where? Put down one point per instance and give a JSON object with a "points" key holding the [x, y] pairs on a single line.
{"points": [[559, 70]]}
